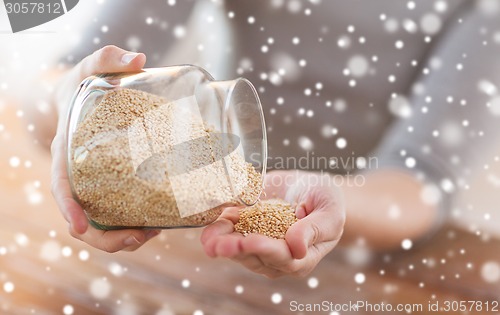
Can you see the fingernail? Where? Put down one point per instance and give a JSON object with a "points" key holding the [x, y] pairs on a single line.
{"points": [[152, 233], [128, 57], [300, 212], [131, 240]]}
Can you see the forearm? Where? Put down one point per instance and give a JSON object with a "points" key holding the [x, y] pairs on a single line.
{"points": [[387, 209]]}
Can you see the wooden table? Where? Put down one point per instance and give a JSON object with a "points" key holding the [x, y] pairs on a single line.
{"points": [[51, 272]]}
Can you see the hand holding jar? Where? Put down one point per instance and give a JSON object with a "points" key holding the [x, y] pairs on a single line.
{"points": [[163, 148], [106, 60], [171, 147]]}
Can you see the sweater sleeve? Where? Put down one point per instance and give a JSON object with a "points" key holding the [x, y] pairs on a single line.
{"points": [[448, 123]]}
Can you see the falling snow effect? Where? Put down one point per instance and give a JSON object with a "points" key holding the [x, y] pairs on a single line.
{"points": [[305, 143], [83, 255], [8, 287], [490, 272], [116, 269], [50, 251], [430, 23], [185, 283], [406, 244], [179, 31], [100, 288], [419, 78], [276, 298], [360, 278], [68, 310], [430, 195], [239, 289], [313, 282], [358, 65], [400, 106], [165, 311], [22, 240], [341, 143]]}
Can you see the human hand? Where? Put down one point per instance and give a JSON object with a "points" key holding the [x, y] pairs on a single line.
{"points": [[321, 214], [108, 59]]}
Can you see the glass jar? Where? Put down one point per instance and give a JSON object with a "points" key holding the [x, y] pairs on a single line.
{"points": [[164, 148]]}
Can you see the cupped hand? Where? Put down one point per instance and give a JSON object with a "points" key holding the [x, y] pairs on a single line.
{"points": [[321, 214], [108, 59]]}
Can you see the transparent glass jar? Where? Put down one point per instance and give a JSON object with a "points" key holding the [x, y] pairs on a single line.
{"points": [[164, 148]]}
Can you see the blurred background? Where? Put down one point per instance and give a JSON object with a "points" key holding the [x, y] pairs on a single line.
{"points": [[44, 271]]}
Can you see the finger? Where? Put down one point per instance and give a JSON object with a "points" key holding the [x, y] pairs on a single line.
{"points": [[322, 225], [300, 211], [228, 245], [272, 252], [220, 227], [254, 264], [222, 245], [71, 210], [113, 240], [211, 243], [111, 59], [149, 234], [232, 214], [321, 219], [223, 225], [251, 262]]}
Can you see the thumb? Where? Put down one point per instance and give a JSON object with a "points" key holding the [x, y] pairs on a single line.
{"points": [[110, 59], [302, 235]]}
